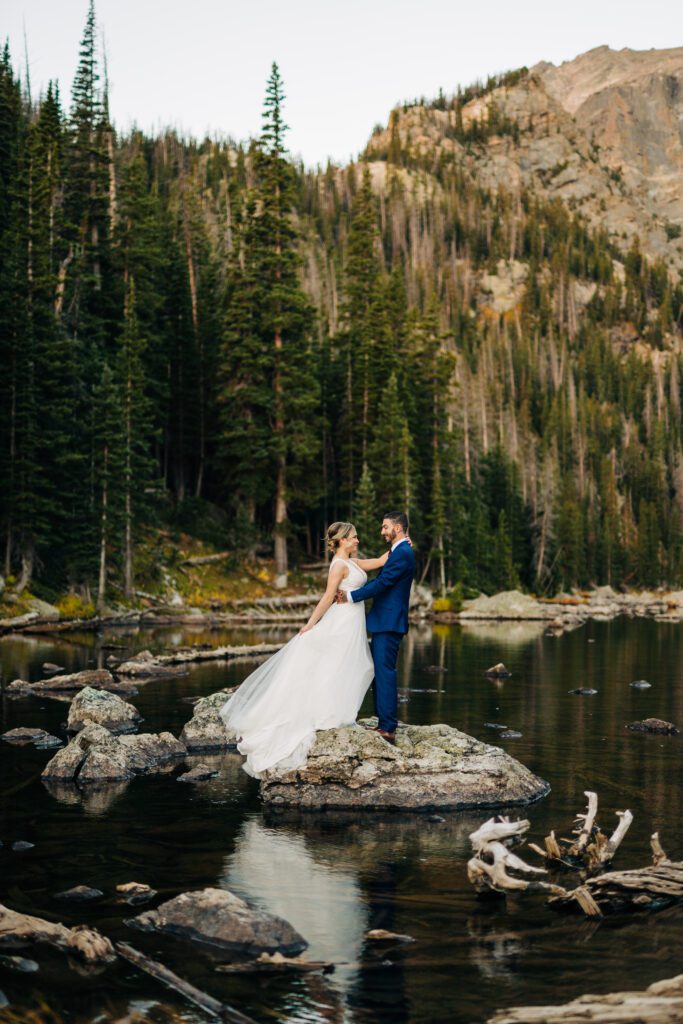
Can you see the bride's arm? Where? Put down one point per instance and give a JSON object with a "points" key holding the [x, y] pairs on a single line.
{"points": [[371, 563], [337, 574]]}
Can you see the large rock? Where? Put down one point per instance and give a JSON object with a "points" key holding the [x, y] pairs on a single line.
{"points": [[95, 756], [206, 730], [431, 766], [219, 918], [97, 707], [510, 604]]}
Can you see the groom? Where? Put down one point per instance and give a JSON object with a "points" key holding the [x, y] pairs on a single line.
{"points": [[388, 618]]}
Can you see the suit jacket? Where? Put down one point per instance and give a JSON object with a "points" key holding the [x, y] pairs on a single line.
{"points": [[391, 592]]}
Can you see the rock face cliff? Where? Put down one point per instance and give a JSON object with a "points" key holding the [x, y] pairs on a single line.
{"points": [[603, 133]]}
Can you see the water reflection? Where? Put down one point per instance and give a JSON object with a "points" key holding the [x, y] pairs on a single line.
{"points": [[337, 876]]}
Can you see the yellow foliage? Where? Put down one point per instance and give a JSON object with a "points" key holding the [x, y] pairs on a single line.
{"points": [[71, 606], [442, 604]]}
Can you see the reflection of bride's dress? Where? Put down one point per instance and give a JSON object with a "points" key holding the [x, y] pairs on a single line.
{"points": [[316, 681], [303, 882]]}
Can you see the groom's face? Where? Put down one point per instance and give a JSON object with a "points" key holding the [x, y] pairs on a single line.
{"points": [[389, 531]]}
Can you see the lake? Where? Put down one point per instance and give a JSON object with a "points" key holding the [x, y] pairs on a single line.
{"points": [[335, 876]]}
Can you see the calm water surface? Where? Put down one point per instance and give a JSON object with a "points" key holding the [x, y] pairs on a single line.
{"points": [[336, 876]]}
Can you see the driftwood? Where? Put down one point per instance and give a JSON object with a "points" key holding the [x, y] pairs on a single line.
{"points": [[591, 849], [661, 1003], [489, 868], [276, 963], [84, 942], [649, 888], [184, 988], [495, 868]]}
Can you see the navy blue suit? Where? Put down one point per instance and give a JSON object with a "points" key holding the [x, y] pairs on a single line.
{"points": [[388, 622]]}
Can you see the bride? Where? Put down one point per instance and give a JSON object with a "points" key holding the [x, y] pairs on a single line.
{"points": [[317, 680]]}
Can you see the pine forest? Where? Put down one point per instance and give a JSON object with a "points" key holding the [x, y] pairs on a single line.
{"points": [[209, 336]]}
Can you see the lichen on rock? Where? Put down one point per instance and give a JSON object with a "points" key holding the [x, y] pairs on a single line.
{"points": [[431, 766]]}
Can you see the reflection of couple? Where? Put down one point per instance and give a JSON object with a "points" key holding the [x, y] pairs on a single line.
{"points": [[318, 679]]}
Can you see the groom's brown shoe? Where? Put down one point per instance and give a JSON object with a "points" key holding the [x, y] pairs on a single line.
{"points": [[390, 737]]}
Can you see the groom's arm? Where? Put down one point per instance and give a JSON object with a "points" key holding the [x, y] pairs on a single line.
{"points": [[393, 571]]}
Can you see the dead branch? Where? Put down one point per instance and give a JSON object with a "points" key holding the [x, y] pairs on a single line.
{"points": [[658, 854], [184, 988], [489, 868], [586, 831]]}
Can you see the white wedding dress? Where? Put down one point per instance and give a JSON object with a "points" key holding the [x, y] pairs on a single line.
{"points": [[316, 681]]}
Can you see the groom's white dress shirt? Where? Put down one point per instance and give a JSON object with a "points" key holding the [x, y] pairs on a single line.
{"points": [[403, 540]]}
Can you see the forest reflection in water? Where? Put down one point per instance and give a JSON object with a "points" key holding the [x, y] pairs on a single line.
{"points": [[334, 877]]}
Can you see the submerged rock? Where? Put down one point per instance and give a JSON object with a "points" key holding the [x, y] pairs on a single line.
{"points": [[95, 755], [583, 691], [97, 707], [80, 894], [655, 725], [136, 892], [219, 918], [20, 964], [206, 729], [430, 767], [641, 684], [199, 773], [22, 736], [498, 671]]}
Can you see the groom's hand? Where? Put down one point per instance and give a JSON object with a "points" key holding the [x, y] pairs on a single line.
{"points": [[342, 597]]}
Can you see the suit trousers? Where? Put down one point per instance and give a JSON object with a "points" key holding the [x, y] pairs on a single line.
{"points": [[384, 655]]}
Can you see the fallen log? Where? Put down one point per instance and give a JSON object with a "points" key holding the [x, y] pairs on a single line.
{"points": [[147, 664], [206, 559], [297, 600], [194, 995], [84, 942], [660, 1003]]}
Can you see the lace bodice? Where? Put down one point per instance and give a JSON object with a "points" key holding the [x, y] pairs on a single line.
{"points": [[356, 578]]}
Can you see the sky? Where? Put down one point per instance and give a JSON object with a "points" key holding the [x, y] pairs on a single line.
{"points": [[201, 66]]}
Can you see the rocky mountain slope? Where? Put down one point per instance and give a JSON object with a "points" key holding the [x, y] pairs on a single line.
{"points": [[603, 133]]}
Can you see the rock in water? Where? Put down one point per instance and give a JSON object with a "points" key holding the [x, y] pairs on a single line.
{"points": [[219, 918], [206, 730], [95, 755], [431, 767], [97, 707], [24, 735], [199, 773], [80, 894], [655, 725], [641, 684], [498, 671], [583, 691]]}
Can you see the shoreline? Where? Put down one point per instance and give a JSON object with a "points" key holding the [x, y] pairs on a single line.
{"points": [[565, 611]]}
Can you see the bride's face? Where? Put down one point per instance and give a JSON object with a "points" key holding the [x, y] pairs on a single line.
{"points": [[351, 544]]}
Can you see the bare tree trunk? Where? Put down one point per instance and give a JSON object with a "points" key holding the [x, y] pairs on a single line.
{"points": [[27, 559], [102, 581], [192, 280], [128, 477]]}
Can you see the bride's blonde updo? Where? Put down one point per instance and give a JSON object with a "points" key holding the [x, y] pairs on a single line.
{"points": [[336, 533]]}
